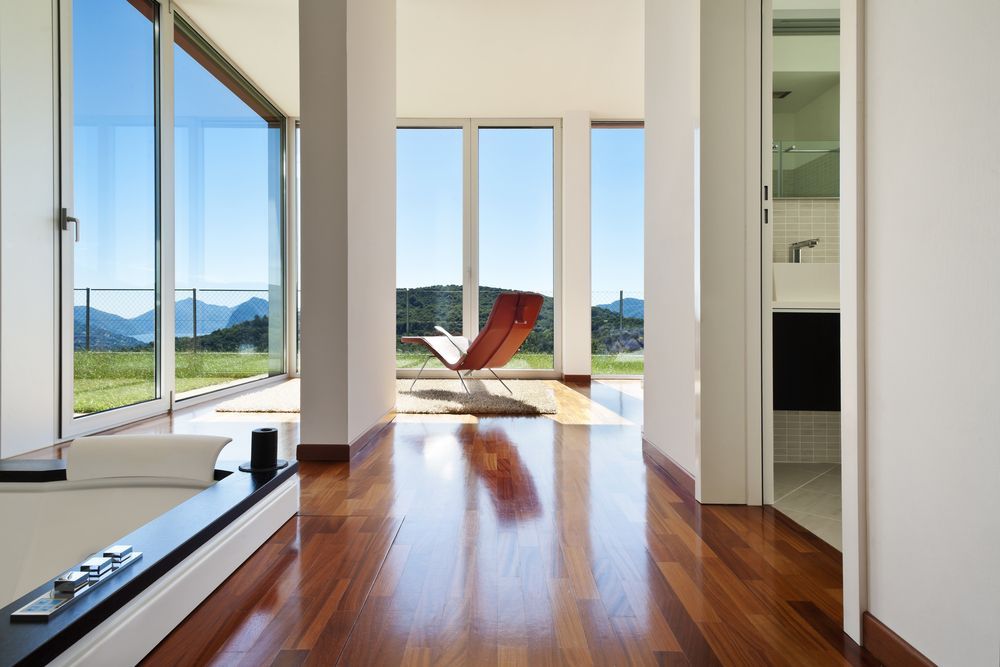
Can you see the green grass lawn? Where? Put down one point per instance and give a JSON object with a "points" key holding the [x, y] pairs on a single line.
{"points": [[601, 364], [105, 380], [522, 360], [617, 364]]}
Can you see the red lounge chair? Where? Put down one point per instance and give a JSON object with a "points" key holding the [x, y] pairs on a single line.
{"points": [[513, 317]]}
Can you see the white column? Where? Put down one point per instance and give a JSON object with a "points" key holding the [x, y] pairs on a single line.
{"points": [[28, 324], [576, 243], [722, 476], [348, 165], [671, 325]]}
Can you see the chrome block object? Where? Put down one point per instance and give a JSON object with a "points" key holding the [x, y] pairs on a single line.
{"points": [[76, 583]]}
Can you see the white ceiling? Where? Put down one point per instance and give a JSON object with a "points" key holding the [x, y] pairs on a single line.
{"points": [[462, 57], [520, 58], [804, 86], [261, 37]]}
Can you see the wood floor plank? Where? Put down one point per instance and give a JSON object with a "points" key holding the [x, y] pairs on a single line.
{"points": [[517, 541]]}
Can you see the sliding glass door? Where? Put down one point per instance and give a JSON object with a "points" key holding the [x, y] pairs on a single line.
{"points": [[477, 215], [515, 230], [430, 218], [172, 197], [229, 301], [617, 313], [111, 199]]}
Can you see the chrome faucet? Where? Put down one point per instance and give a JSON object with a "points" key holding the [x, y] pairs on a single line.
{"points": [[797, 247]]}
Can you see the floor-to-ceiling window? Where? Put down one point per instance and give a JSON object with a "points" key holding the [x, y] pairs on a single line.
{"points": [[229, 232], [476, 215], [192, 264], [113, 192], [430, 196], [516, 182], [617, 303]]}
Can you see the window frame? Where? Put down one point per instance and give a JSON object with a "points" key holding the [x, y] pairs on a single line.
{"points": [[470, 230], [166, 15], [612, 125]]}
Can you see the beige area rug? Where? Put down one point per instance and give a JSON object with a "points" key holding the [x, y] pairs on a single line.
{"points": [[487, 397], [282, 397]]}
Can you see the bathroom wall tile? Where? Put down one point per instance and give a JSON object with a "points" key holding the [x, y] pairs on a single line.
{"points": [[802, 436], [800, 219]]}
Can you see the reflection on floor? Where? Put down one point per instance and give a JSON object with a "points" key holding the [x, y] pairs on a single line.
{"points": [[516, 541], [809, 494]]}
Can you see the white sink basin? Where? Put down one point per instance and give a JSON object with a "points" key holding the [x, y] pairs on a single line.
{"points": [[806, 286]]}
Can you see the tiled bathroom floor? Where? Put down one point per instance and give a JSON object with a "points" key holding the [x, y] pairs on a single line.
{"points": [[809, 494]]}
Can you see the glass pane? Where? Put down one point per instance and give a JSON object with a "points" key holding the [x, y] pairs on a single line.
{"points": [[229, 247], [616, 218], [298, 247], [515, 228], [806, 168], [429, 204], [114, 195]]}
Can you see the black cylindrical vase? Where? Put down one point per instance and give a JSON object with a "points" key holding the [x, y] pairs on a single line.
{"points": [[263, 451], [264, 448]]}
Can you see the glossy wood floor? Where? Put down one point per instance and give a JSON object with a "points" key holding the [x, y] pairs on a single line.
{"points": [[518, 541]]}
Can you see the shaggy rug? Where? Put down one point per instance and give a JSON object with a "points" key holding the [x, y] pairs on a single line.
{"points": [[282, 397], [487, 397]]}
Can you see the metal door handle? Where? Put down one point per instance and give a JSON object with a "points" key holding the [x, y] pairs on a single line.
{"points": [[65, 219]]}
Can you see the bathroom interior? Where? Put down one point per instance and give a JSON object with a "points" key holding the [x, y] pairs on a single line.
{"points": [[804, 259]]}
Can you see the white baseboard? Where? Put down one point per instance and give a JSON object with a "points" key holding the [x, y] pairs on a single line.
{"points": [[134, 630]]}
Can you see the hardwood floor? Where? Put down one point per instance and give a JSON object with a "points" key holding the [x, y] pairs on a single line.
{"points": [[518, 541]]}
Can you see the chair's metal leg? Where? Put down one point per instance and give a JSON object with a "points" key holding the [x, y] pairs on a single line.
{"points": [[429, 357], [501, 381], [463, 382]]}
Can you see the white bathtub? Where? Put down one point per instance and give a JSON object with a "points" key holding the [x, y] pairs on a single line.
{"points": [[113, 485]]}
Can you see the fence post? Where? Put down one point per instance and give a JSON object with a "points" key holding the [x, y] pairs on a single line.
{"points": [[621, 310], [194, 318], [406, 294], [87, 315]]}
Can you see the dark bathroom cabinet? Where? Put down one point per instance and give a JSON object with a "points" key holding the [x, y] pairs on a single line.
{"points": [[806, 361]]}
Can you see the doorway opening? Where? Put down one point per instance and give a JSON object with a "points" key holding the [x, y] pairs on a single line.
{"points": [[801, 266]]}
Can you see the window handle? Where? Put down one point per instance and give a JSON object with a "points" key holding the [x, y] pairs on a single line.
{"points": [[65, 219]]}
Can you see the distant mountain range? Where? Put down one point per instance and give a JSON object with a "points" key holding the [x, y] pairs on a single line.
{"points": [[113, 332], [634, 308]]}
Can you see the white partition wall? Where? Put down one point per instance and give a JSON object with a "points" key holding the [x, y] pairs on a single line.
{"points": [[348, 115], [931, 208], [671, 231], [28, 391], [576, 244]]}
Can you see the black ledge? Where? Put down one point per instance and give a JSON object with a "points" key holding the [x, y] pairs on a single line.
{"points": [[32, 470], [164, 542]]}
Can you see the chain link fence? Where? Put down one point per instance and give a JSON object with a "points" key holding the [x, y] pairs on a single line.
{"points": [[120, 319]]}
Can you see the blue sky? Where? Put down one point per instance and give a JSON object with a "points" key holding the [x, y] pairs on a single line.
{"points": [[616, 212], [222, 205], [515, 209]]}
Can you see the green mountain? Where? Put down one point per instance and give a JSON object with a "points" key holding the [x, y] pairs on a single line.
{"points": [[419, 309], [248, 336]]}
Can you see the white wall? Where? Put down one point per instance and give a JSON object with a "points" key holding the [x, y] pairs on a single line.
{"points": [[27, 228], [806, 53], [933, 322], [722, 476], [576, 292], [520, 58], [324, 222], [671, 327], [371, 175], [348, 216], [820, 119]]}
